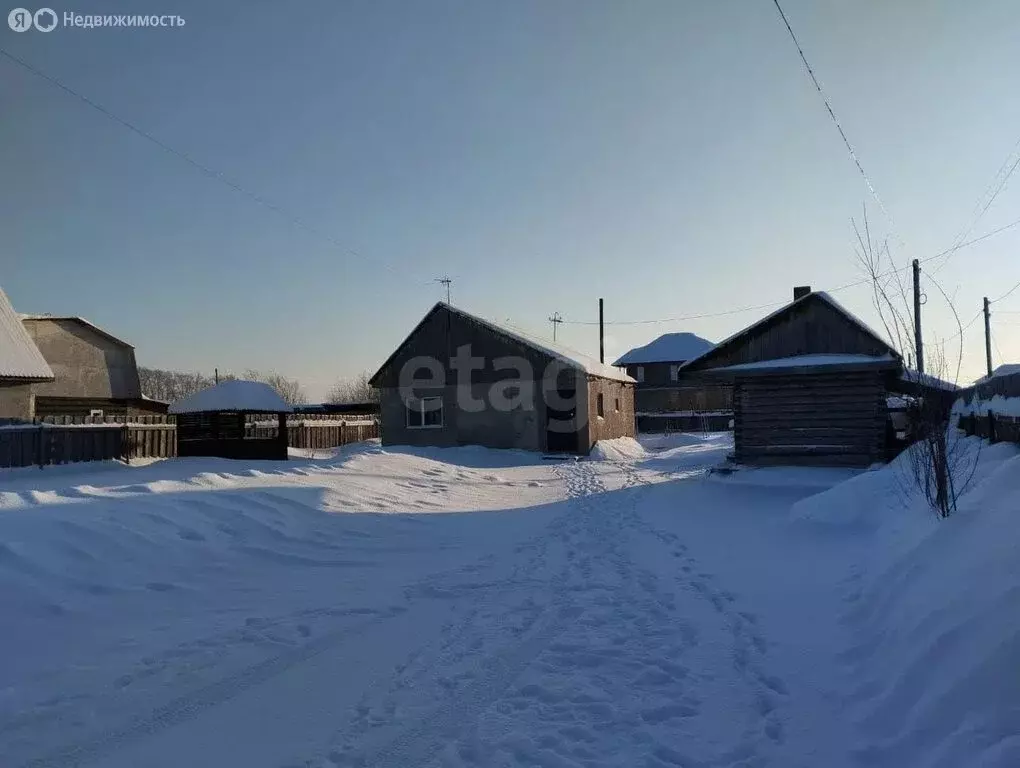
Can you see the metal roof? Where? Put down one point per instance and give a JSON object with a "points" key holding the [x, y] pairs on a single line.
{"points": [[19, 356]]}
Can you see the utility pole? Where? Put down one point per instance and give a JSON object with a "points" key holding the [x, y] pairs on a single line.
{"points": [[918, 342], [555, 319], [988, 337], [445, 280], [216, 374], [602, 333]]}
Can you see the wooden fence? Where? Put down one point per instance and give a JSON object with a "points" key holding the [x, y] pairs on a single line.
{"points": [[294, 418], [992, 427], [46, 443], [696, 422]]}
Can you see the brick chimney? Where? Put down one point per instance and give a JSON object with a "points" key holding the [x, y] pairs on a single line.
{"points": [[800, 291]]}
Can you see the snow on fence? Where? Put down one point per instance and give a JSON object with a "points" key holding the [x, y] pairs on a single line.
{"points": [[42, 444]]}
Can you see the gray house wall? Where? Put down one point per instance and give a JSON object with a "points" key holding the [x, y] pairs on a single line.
{"points": [[85, 363], [438, 337], [15, 400], [520, 428]]}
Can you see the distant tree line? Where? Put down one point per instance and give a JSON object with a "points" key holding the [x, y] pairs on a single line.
{"points": [[168, 386], [353, 390]]}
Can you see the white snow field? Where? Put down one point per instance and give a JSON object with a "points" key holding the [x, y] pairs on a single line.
{"points": [[469, 607]]}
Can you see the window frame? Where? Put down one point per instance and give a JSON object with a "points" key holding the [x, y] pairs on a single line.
{"points": [[639, 374], [421, 411], [600, 405], [674, 372]]}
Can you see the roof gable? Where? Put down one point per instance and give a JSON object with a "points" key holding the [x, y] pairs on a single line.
{"points": [[815, 324], [79, 321], [668, 348], [19, 356], [550, 349]]}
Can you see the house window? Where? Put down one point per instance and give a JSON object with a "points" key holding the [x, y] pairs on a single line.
{"points": [[96, 413], [425, 413], [639, 374], [617, 405], [673, 372], [600, 406]]}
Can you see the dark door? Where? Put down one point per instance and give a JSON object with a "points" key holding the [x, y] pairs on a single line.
{"points": [[561, 424]]}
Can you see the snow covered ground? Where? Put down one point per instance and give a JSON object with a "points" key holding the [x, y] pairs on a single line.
{"points": [[467, 607]]}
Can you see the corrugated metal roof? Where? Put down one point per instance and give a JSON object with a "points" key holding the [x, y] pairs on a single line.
{"points": [[19, 356]]}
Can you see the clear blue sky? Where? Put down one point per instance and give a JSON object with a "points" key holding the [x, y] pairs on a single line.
{"points": [[670, 156]]}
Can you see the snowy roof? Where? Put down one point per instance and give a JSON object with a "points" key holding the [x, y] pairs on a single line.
{"points": [[928, 380], [233, 395], [564, 354], [1006, 369], [668, 348], [812, 361], [19, 356], [807, 297], [81, 321]]}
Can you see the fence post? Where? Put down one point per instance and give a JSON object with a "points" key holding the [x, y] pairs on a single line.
{"points": [[125, 444], [40, 456], [991, 426]]}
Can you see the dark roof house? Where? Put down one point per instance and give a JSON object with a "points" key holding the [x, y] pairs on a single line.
{"points": [[661, 388], [460, 379], [809, 385]]}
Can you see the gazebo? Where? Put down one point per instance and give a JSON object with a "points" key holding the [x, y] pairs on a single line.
{"points": [[215, 422]]}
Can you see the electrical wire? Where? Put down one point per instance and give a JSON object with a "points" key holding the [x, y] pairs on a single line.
{"points": [[832, 113], [774, 304], [1007, 293], [203, 168]]}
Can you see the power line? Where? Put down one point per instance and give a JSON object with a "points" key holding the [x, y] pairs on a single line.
{"points": [[1007, 293], [990, 200], [832, 114], [773, 304], [555, 318], [997, 350], [206, 170]]}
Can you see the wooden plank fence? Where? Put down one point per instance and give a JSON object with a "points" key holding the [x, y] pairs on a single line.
{"points": [[993, 427], [48, 443]]}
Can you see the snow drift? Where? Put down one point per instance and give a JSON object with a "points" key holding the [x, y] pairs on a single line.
{"points": [[934, 614]]}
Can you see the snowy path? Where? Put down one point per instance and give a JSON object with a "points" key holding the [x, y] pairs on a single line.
{"points": [[595, 628]]}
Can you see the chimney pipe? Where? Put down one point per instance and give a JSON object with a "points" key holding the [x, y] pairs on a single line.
{"points": [[800, 291]]}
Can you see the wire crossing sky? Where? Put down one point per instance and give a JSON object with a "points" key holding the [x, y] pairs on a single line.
{"points": [[237, 195]]}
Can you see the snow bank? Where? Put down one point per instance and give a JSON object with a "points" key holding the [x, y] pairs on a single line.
{"points": [[934, 612], [618, 449]]}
